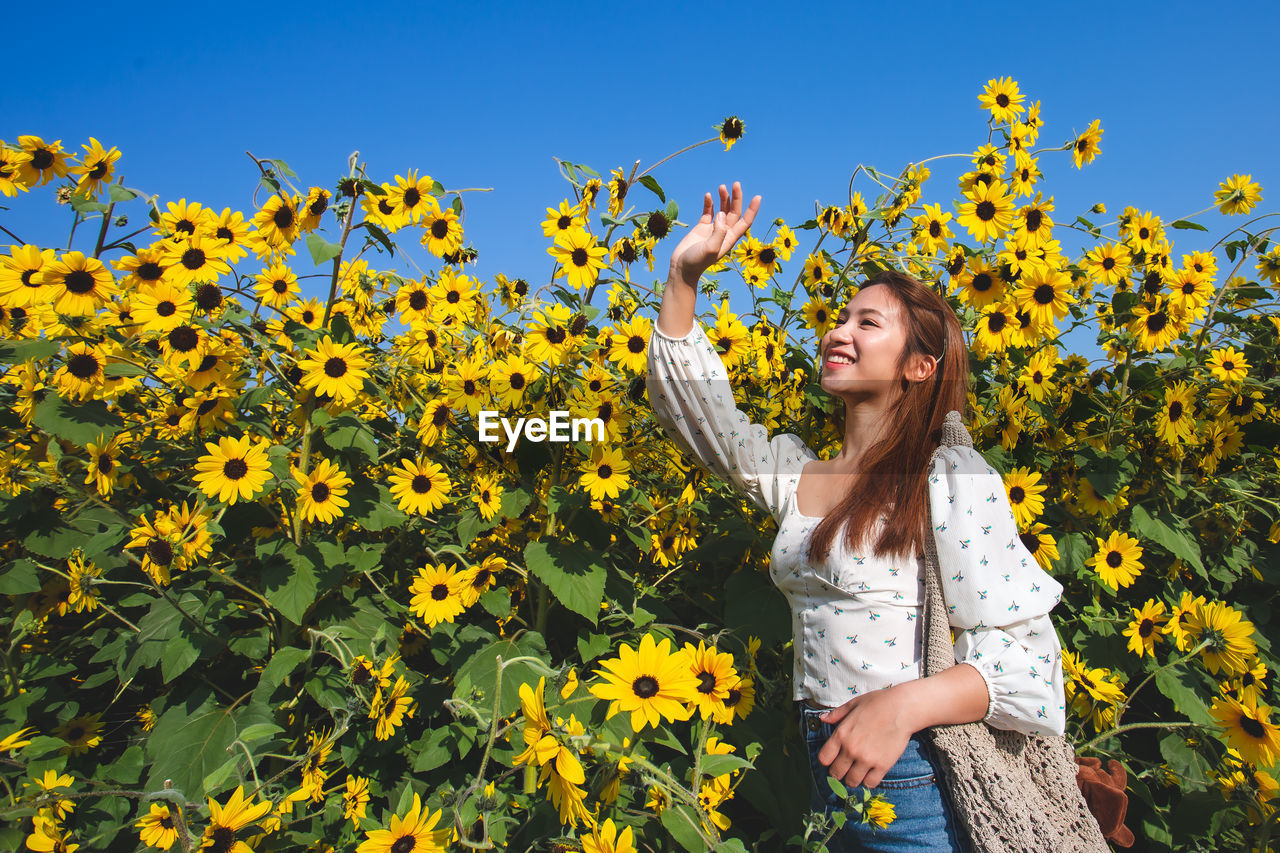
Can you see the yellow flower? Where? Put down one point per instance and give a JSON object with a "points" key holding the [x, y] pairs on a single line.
{"points": [[1249, 729], [226, 821], [338, 370], [878, 812], [233, 469], [1085, 147], [1117, 561], [580, 259], [1025, 495], [1230, 637], [730, 131], [1237, 194], [1146, 628], [1003, 99], [605, 473], [415, 831], [652, 683], [419, 487], [437, 594], [605, 838], [355, 797], [322, 492], [158, 828], [1228, 365]]}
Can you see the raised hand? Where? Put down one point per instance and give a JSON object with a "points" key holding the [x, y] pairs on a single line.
{"points": [[712, 237]]}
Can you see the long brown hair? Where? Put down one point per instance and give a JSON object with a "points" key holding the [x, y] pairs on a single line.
{"points": [[892, 470]]}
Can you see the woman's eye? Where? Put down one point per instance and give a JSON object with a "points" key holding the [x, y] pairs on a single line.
{"points": [[869, 321]]}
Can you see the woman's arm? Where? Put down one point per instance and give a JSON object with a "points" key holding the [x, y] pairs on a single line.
{"points": [[874, 728], [709, 240]]}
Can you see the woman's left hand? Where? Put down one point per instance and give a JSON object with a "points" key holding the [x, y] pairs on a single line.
{"points": [[871, 734]]}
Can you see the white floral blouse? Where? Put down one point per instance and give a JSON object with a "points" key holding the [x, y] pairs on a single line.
{"points": [[856, 618]]}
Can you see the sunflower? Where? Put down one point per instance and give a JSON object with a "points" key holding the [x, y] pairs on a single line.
{"points": [[1002, 97], [436, 417], [1044, 293], [1108, 263], [651, 682], [930, 230], [82, 372], [487, 495], [715, 678], [313, 207], [81, 284], [1237, 194], [996, 328], [95, 169], [1229, 636], [1146, 628], [548, 338], [1176, 422], [605, 837], [1042, 545], [878, 812], [391, 708], [322, 492], [1228, 365], [562, 219], [202, 258], [278, 222], [21, 284], [419, 487], [1240, 407], [437, 594], [11, 163], [411, 197], [1026, 495], [987, 211], [338, 370], [579, 257], [1085, 147], [48, 837], [628, 344], [81, 734], [226, 821], [277, 286], [1143, 231], [158, 828], [441, 231], [355, 797], [413, 301], [509, 379], [1248, 729], [234, 469], [162, 548], [1154, 325], [1118, 559], [477, 580], [605, 473], [161, 307], [45, 161], [730, 131]]}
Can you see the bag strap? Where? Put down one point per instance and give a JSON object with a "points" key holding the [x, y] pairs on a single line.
{"points": [[939, 649]]}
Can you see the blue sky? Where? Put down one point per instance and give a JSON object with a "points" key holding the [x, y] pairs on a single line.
{"points": [[486, 94]]}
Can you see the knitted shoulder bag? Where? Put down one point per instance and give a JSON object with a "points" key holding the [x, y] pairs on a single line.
{"points": [[1011, 792]]}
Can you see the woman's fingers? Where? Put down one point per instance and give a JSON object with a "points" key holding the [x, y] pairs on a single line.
{"points": [[708, 207]]}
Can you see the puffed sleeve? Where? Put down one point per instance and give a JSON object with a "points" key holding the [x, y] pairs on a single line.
{"points": [[693, 402], [997, 594]]}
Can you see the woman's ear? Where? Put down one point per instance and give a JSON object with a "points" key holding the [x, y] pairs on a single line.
{"points": [[921, 367]]}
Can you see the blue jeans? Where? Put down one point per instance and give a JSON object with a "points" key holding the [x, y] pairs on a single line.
{"points": [[923, 817]]}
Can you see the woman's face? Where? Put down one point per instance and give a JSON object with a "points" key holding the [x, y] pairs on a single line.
{"points": [[859, 356]]}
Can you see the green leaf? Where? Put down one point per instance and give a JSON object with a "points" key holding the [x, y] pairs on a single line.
{"points": [[1173, 541], [373, 507], [347, 433], [652, 183], [19, 577], [81, 424], [123, 368], [480, 672], [122, 193], [19, 351], [1184, 225], [434, 752], [683, 824], [1179, 686], [380, 236], [167, 638], [718, 765], [282, 167], [514, 502], [497, 602], [321, 249], [282, 664], [573, 573], [191, 740], [593, 646], [673, 211], [84, 204], [288, 578]]}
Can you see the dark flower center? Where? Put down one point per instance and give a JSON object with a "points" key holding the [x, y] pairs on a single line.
{"points": [[335, 367], [79, 281], [635, 344], [160, 552], [645, 686], [1252, 727], [604, 472], [440, 416], [706, 682], [193, 258], [42, 158], [412, 197], [99, 169], [183, 339], [1108, 263], [166, 308], [1031, 540], [440, 592], [320, 492], [209, 297], [996, 322], [105, 464], [517, 381], [986, 211], [418, 300], [280, 285], [1145, 628], [935, 228], [319, 206], [283, 218], [1044, 294], [224, 838], [580, 257], [1017, 495], [555, 335], [404, 844], [1114, 559], [768, 256], [421, 484], [83, 365], [658, 224], [1034, 220], [440, 229], [1002, 100], [1157, 321], [1175, 410]]}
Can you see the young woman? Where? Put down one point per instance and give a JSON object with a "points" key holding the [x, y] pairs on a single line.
{"points": [[848, 554]]}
